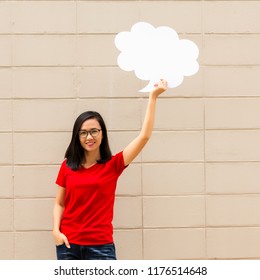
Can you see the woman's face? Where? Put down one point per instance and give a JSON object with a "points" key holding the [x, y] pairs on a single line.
{"points": [[90, 135]]}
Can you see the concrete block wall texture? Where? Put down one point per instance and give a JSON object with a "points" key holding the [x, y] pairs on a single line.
{"points": [[194, 192]]}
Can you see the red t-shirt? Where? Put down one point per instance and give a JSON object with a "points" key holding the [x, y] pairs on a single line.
{"points": [[89, 201]]}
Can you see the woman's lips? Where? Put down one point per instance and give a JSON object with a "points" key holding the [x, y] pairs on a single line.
{"points": [[90, 144]]}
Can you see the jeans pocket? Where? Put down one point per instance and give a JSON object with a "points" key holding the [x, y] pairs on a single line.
{"points": [[60, 245]]}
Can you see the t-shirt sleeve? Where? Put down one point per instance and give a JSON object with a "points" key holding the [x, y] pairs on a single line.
{"points": [[119, 163], [62, 175]]}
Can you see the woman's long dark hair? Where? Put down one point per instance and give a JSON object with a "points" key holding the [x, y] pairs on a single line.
{"points": [[75, 153]]}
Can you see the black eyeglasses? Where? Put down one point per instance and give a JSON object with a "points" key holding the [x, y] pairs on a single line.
{"points": [[93, 132]]}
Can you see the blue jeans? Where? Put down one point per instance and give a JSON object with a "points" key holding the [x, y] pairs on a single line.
{"points": [[80, 252]]}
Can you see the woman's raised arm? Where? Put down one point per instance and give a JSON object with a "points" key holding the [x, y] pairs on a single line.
{"points": [[136, 146]]}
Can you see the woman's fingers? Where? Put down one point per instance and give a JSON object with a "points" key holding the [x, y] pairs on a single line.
{"points": [[66, 242], [60, 239], [162, 83]]}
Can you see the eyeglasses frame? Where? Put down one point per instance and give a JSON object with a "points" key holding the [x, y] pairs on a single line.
{"points": [[89, 132]]}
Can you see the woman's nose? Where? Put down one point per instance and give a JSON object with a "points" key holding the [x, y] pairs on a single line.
{"points": [[89, 136]]}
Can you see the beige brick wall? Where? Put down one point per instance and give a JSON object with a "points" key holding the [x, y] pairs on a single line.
{"points": [[194, 192]]}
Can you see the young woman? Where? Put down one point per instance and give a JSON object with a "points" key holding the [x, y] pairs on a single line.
{"points": [[83, 209]]}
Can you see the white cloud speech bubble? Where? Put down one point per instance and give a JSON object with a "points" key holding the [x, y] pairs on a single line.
{"points": [[156, 53]]}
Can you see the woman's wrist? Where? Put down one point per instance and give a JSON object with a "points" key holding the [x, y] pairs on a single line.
{"points": [[153, 95]]}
